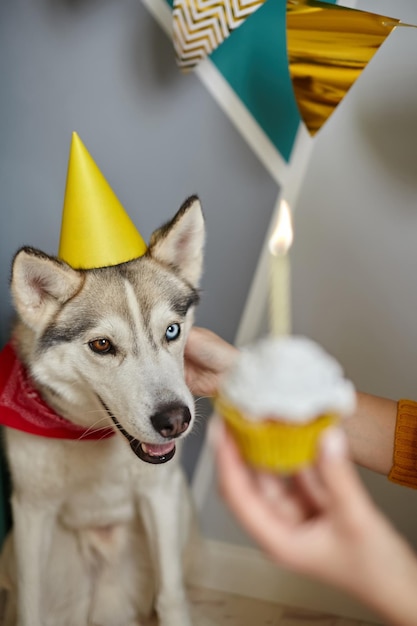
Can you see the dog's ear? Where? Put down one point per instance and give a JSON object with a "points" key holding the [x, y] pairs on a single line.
{"points": [[40, 284], [180, 242]]}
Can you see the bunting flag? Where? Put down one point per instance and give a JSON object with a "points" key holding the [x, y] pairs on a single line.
{"points": [[200, 26], [328, 46]]}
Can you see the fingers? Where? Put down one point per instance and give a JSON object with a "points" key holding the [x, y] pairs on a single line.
{"points": [[309, 484], [341, 481], [279, 494], [267, 523], [316, 523], [209, 350], [206, 358]]}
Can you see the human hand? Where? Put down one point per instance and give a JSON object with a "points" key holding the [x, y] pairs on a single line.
{"points": [[322, 523], [207, 357]]}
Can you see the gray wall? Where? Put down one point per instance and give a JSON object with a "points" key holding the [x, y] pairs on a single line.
{"points": [[354, 257], [107, 70], [355, 252]]}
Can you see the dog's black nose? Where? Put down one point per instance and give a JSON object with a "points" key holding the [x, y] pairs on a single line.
{"points": [[171, 420]]}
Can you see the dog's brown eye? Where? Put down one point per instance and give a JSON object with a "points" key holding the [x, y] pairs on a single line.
{"points": [[101, 346]]}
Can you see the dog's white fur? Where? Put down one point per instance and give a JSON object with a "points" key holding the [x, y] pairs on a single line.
{"points": [[99, 535]]}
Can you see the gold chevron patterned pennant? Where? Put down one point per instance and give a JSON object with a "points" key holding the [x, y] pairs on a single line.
{"points": [[328, 48], [200, 26]]}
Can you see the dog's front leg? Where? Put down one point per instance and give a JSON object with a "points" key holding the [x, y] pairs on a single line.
{"points": [[166, 513], [32, 532]]}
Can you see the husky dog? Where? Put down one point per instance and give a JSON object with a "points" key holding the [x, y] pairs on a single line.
{"points": [[101, 526]]}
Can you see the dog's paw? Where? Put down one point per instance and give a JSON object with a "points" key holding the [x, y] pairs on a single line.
{"points": [[174, 615], [176, 619]]}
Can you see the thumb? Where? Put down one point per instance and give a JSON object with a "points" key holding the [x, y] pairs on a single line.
{"points": [[338, 474], [208, 350]]}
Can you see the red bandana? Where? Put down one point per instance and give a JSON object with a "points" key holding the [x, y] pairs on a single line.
{"points": [[22, 407]]}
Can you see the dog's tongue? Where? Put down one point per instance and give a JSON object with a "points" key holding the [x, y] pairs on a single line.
{"points": [[154, 449]]}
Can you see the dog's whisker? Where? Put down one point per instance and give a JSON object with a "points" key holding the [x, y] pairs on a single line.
{"points": [[104, 418], [95, 430], [94, 427], [198, 398]]}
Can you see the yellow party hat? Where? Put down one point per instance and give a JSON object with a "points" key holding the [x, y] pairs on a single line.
{"points": [[96, 231]]}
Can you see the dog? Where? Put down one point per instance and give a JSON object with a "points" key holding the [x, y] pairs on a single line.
{"points": [[101, 526]]}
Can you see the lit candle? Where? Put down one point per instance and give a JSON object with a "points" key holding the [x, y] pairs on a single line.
{"points": [[280, 292]]}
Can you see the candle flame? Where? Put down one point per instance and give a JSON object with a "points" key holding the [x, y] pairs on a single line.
{"points": [[282, 235]]}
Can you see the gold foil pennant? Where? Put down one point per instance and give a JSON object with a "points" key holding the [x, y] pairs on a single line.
{"points": [[328, 48]]}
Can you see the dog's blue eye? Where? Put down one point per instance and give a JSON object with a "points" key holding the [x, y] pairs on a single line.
{"points": [[172, 332], [101, 346]]}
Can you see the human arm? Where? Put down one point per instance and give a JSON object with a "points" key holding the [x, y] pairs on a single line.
{"points": [[383, 437], [371, 432], [323, 524]]}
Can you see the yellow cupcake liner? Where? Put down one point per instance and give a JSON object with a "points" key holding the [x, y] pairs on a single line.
{"points": [[275, 446]]}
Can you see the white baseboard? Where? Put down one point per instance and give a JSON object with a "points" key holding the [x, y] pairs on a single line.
{"points": [[245, 571]]}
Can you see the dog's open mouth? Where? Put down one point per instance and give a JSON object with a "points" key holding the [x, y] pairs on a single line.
{"points": [[149, 452], [152, 452]]}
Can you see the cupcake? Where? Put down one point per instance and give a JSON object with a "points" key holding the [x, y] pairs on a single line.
{"points": [[278, 397]]}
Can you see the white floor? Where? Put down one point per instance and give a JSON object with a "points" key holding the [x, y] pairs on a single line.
{"points": [[216, 608]]}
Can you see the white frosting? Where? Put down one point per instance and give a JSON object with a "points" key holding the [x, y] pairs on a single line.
{"points": [[291, 378]]}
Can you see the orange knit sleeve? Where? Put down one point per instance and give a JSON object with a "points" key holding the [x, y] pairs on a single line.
{"points": [[404, 469]]}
